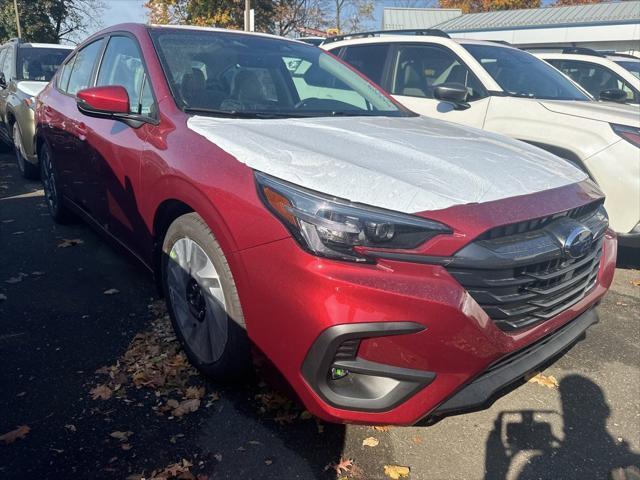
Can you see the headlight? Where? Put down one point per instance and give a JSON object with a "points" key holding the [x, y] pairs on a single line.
{"points": [[330, 227], [630, 134]]}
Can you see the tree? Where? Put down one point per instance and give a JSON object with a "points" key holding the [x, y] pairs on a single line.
{"points": [[50, 20], [218, 13], [474, 6], [351, 15], [295, 15], [415, 3]]}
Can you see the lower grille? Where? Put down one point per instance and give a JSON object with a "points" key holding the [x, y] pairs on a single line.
{"points": [[538, 283]]}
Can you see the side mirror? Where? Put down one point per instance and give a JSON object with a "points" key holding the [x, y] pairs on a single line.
{"points": [[106, 101], [111, 101], [613, 95], [3, 81], [455, 93]]}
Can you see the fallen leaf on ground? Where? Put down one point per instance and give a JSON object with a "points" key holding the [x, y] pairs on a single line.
{"points": [[70, 242], [111, 291], [70, 427], [396, 471], [122, 436], [101, 392], [187, 406], [218, 457], [14, 435], [370, 442], [544, 380], [343, 466], [268, 461], [37, 274], [635, 283], [126, 446], [381, 428], [194, 392]]}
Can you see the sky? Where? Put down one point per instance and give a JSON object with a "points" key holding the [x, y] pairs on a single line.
{"points": [[120, 11]]}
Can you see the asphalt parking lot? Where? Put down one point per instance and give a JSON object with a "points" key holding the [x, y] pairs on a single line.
{"points": [[81, 349]]}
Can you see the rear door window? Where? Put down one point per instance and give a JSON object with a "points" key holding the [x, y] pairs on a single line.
{"points": [[368, 59], [83, 67]]}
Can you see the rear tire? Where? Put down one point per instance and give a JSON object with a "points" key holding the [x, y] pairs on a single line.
{"points": [[52, 194], [203, 301], [27, 169]]}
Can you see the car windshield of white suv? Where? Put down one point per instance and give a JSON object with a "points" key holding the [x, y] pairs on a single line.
{"points": [[39, 64], [520, 74], [232, 74], [633, 67]]}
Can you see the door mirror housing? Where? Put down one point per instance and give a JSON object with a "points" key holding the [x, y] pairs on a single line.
{"points": [[613, 95], [111, 101], [455, 93]]}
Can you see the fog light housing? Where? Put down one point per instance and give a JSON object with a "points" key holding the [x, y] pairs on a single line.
{"points": [[344, 380]]}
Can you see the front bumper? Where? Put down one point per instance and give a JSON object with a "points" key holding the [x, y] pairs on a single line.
{"points": [[507, 371], [431, 337], [631, 239]]}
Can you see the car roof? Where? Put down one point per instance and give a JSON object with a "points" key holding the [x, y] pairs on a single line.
{"points": [[620, 58], [413, 39], [46, 45], [221, 30]]}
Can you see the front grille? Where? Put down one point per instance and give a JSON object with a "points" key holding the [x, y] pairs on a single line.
{"points": [[538, 223], [522, 279]]}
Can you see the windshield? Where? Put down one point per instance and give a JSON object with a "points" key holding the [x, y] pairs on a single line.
{"points": [[633, 67], [220, 73], [520, 74], [39, 64]]}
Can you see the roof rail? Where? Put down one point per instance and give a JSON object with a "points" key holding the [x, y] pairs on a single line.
{"points": [[501, 42], [581, 51], [426, 31], [624, 55]]}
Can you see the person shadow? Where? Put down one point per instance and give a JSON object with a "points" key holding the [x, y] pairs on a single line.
{"points": [[586, 451]]}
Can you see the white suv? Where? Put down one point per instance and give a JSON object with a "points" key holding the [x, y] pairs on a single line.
{"points": [[597, 73], [505, 90]]}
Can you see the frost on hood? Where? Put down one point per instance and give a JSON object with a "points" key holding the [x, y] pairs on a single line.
{"points": [[404, 164]]}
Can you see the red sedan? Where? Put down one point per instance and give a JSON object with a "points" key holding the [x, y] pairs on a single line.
{"points": [[394, 268]]}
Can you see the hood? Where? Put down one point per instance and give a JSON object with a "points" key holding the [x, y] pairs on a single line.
{"points": [[609, 112], [31, 88], [409, 165]]}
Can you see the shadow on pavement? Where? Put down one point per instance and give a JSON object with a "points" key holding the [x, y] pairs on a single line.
{"points": [[586, 451], [58, 327]]}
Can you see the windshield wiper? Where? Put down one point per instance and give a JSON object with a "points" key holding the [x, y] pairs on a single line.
{"points": [[239, 113]]}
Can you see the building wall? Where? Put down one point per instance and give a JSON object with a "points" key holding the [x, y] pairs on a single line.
{"points": [[621, 38]]}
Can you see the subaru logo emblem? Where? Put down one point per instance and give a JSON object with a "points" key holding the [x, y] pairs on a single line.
{"points": [[573, 238], [578, 242]]}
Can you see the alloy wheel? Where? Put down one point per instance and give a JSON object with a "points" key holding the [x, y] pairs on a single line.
{"points": [[197, 299], [49, 180]]}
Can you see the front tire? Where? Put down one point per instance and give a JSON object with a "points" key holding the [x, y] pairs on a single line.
{"points": [[52, 194], [203, 301], [27, 169]]}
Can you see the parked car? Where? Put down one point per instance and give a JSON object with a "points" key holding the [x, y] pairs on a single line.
{"points": [[502, 89], [391, 266], [605, 77], [25, 68]]}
